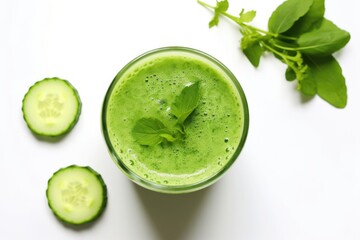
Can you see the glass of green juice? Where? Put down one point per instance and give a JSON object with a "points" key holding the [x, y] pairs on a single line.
{"points": [[198, 152]]}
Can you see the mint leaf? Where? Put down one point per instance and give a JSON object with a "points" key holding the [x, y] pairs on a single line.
{"points": [[151, 131], [284, 17], [325, 40], [186, 102]]}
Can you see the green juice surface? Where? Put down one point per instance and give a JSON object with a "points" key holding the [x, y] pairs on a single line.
{"points": [[213, 133]]}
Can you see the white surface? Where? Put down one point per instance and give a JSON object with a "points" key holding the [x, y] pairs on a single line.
{"points": [[298, 176]]}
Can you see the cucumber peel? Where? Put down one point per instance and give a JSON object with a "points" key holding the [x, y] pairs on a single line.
{"points": [[51, 107], [76, 194]]}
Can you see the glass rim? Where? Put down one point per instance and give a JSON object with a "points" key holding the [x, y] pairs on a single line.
{"points": [[174, 188]]}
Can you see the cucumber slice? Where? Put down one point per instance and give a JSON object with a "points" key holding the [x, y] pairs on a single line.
{"points": [[51, 107], [76, 194]]}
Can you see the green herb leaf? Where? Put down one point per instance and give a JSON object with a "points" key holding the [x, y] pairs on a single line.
{"points": [[284, 17], [308, 84], [325, 40], [326, 73], [221, 6], [246, 17], [312, 19], [290, 74], [304, 40], [151, 131], [252, 51], [186, 102]]}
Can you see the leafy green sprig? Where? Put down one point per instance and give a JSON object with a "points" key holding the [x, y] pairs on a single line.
{"points": [[299, 36], [152, 131]]}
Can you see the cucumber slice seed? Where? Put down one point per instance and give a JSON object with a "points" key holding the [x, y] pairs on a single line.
{"points": [[51, 107], [76, 194]]}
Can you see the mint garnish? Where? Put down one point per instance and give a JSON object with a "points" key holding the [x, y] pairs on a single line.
{"points": [[186, 102], [152, 131]]}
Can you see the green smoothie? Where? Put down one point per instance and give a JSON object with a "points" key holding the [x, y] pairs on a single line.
{"points": [[215, 131]]}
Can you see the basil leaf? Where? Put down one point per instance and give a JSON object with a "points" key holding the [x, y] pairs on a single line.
{"points": [[186, 102], [327, 75], [325, 40], [284, 17], [299, 36], [151, 131], [310, 20], [307, 85], [253, 51], [290, 74]]}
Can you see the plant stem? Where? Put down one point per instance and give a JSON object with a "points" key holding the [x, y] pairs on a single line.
{"points": [[284, 47], [205, 4], [244, 25], [283, 56]]}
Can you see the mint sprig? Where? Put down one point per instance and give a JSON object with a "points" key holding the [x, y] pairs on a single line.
{"points": [[300, 37], [152, 131]]}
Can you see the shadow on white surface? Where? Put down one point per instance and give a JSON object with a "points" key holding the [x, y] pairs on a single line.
{"points": [[306, 99], [171, 215]]}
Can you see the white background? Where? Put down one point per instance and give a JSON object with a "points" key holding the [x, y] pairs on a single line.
{"points": [[298, 176]]}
